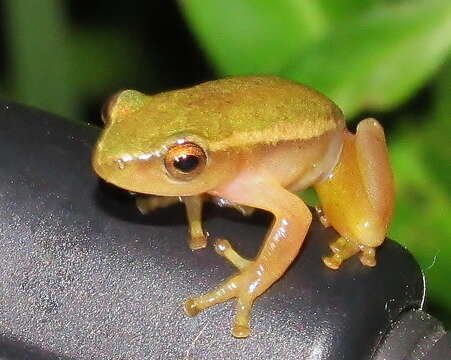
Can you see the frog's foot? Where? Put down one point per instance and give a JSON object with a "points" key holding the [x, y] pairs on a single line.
{"points": [[368, 255], [228, 290], [146, 204], [322, 216], [239, 286], [342, 249], [196, 242], [223, 248]]}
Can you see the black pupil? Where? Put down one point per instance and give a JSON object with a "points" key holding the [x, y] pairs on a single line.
{"points": [[186, 163]]}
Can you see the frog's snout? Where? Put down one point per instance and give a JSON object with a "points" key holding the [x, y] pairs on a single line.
{"points": [[103, 166]]}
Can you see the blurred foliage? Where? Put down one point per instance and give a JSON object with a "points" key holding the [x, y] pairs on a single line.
{"points": [[55, 67], [386, 58]]}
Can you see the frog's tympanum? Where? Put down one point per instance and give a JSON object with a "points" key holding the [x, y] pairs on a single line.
{"points": [[251, 142]]}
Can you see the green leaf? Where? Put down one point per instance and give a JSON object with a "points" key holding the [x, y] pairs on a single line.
{"points": [[341, 11], [421, 160], [423, 210], [105, 59], [254, 36], [38, 39], [378, 60]]}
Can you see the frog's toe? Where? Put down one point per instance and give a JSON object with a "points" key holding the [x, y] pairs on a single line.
{"points": [[342, 249], [240, 331], [219, 295], [197, 242], [240, 327], [367, 261], [322, 216], [223, 248], [332, 262], [338, 245], [191, 308], [368, 256], [235, 287]]}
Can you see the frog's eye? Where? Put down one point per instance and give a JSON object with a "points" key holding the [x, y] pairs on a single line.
{"points": [[185, 161], [124, 101]]}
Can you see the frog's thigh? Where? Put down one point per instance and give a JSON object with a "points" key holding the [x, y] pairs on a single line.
{"points": [[281, 245], [375, 170], [197, 239], [146, 204], [358, 198]]}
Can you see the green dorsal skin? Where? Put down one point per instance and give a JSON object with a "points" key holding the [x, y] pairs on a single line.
{"points": [[229, 113]]}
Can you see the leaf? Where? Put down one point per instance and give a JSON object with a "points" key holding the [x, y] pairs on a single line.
{"points": [[38, 38], [420, 157], [253, 36], [423, 210], [341, 11], [378, 60], [54, 68], [105, 59]]}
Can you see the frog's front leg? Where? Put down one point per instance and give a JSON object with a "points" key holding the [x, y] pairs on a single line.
{"points": [[193, 204], [281, 245], [197, 238]]}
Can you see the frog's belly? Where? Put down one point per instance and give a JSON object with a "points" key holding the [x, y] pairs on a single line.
{"points": [[298, 164]]}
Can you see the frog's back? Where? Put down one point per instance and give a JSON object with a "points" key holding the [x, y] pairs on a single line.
{"points": [[241, 111]]}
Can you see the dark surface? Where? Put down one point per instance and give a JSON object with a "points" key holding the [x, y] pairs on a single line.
{"points": [[84, 276], [416, 336]]}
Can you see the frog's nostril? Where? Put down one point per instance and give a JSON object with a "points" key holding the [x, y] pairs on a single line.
{"points": [[120, 164], [101, 165]]}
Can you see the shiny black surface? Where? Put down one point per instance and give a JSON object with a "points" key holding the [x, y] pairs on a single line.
{"points": [[84, 276]]}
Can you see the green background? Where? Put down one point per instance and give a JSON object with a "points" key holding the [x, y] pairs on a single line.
{"points": [[383, 58]]}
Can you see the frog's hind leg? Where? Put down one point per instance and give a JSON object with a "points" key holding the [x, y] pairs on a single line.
{"points": [[358, 198], [375, 169]]}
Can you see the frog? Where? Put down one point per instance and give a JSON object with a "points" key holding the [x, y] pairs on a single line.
{"points": [[251, 142]]}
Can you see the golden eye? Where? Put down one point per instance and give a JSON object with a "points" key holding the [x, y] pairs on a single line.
{"points": [[185, 161]]}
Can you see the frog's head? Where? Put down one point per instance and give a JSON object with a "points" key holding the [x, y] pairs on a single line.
{"points": [[143, 150]]}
